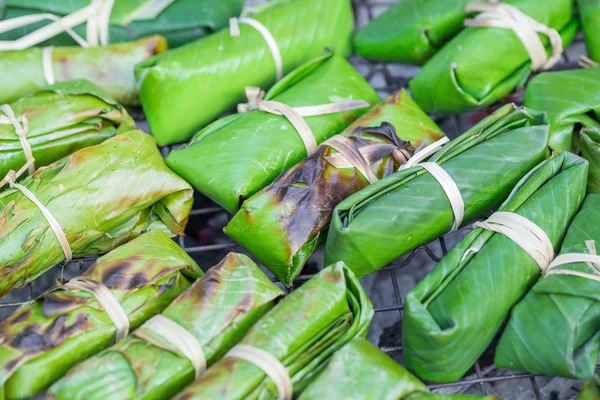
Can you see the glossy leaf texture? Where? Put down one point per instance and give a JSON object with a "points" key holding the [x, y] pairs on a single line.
{"points": [[185, 89], [589, 13], [479, 66], [409, 208], [360, 371], [236, 156], [109, 67], [571, 100], [411, 31], [62, 118], [218, 310], [590, 150], [102, 196], [42, 339], [555, 329], [453, 314], [285, 222], [180, 22], [302, 332]]}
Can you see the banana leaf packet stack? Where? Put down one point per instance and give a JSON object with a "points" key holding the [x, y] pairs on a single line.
{"points": [[296, 337], [217, 311], [179, 21], [410, 208], [109, 67], [42, 339], [571, 101], [589, 13], [590, 150], [236, 156], [482, 64], [360, 371], [100, 197], [56, 121], [555, 329], [286, 221], [187, 88], [412, 31], [453, 314]]}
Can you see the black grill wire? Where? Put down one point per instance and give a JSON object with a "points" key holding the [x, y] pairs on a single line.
{"points": [[206, 243]]}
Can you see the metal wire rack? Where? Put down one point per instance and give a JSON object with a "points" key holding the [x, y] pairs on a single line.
{"points": [[207, 244]]}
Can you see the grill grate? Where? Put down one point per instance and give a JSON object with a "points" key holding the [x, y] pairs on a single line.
{"points": [[207, 244]]}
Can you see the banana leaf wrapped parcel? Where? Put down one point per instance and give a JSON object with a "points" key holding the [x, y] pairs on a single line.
{"points": [[217, 310], [484, 63], [179, 21], [42, 339], [286, 221], [56, 121], [110, 67], [411, 31], [236, 156], [555, 329], [571, 101], [410, 208], [297, 336], [589, 12], [100, 197], [185, 89], [453, 314], [590, 150], [360, 371]]}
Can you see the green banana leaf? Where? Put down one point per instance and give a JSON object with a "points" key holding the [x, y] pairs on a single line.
{"points": [[185, 89], [359, 371], [412, 31], [109, 67], [63, 118], [408, 209], [589, 13], [236, 156], [179, 21], [453, 314], [479, 66], [571, 101], [302, 331], [591, 390], [285, 222], [590, 150], [102, 196], [218, 310], [42, 339], [555, 329]]}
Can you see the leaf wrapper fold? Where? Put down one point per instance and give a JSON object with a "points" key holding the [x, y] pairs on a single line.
{"points": [[185, 89], [302, 332], [409, 208], [41, 340], [453, 314], [63, 118], [236, 156], [590, 150], [411, 31], [555, 329], [360, 371], [102, 196], [218, 310], [589, 13], [110, 67], [479, 66], [286, 221], [180, 22]]}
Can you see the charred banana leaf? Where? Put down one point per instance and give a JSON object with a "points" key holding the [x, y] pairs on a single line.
{"points": [[61, 119], [409, 208], [101, 196], [41, 340], [589, 12], [302, 332], [236, 156], [218, 310], [453, 314], [110, 67], [185, 89], [286, 221]]}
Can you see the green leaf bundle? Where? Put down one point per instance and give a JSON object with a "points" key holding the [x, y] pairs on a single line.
{"points": [[589, 13], [590, 150]]}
